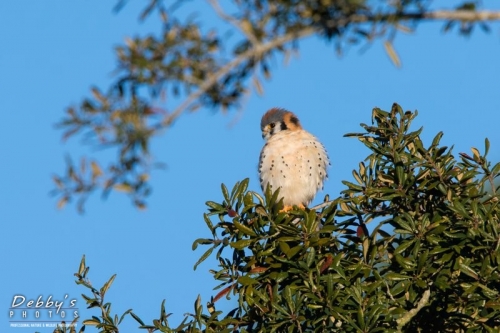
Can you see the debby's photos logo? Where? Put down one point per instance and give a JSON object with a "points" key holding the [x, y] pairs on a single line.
{"points": [[41, 311]]}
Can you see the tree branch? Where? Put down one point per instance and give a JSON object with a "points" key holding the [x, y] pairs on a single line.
{"points": [[448, 15], [462, 15], [413, 312], [253, 52], [238, 24], [321, 205]]}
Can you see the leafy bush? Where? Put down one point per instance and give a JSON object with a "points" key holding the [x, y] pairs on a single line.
{"points": [[411, 245]]}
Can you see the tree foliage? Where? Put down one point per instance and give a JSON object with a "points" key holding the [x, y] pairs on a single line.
{"points": [[184, 67], [410, 245]]}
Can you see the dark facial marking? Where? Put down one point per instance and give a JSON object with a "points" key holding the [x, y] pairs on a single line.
{"points": [[283, 126], [294, 120]]}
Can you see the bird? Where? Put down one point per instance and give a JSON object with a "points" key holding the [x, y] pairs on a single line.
{"points": [[291, 159]]}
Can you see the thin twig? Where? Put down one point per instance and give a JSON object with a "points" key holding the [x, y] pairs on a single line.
{"points": [[389, 291], [296, 221], [233, 20], [321, 205]]}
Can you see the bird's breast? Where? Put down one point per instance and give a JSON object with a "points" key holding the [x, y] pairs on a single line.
{"points": [[295, 161]]}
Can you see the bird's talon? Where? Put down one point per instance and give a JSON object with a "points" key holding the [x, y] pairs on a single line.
{"points": [[288, 208]]}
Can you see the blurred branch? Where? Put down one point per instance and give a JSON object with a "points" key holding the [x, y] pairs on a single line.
{"points": [[321, 205], [460, 15], [242, 25], [457, 15], [254, 53]]}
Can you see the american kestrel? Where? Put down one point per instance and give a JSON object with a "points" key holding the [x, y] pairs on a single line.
{"points": [[292, 159]]}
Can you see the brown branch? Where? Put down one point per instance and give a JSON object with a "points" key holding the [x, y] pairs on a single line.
{"points": [[462, 15]]}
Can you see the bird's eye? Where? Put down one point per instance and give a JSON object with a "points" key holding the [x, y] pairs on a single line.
{"points": [[272, 125]]}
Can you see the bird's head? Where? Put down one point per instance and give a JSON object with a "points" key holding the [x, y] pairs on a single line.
{"points": [[278, 120]]}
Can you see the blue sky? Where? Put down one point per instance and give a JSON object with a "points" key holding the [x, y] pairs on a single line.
{"points": [[53, 52]]}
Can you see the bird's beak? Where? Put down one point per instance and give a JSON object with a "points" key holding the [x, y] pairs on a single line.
{"points": [[265, 133]]}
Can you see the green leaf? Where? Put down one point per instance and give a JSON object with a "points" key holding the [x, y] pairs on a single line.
{"points": [[352, 186], [123, 187], [403, 224], [108, 284], [247, 199], [92, 322], [225, 193], [357, 176], [203, 257], [437, 138], [246, 280], [136, 317], [287, 293], [293, 251], [202, 241], [469, 271], [243, 186], [284, 247], [215, 206], [208, 223], [366, 247], [244, 229], [476, 154], [311, 255], [392, 276], [491, 293], [495, 170], [129, 311], [391, 52], [422, 260], [81, 269], [259, 197], [280, 308], [234, 192], [241, 244], [406, 263], [404, 246]]}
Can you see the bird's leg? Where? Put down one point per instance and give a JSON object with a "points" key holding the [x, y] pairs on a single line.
{"points": [[288, 208]]}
